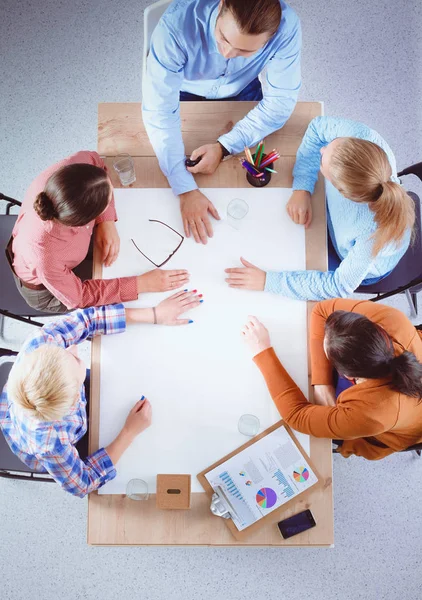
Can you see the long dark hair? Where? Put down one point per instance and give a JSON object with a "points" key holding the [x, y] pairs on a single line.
{"points": [[357, 347], [74, 195]]}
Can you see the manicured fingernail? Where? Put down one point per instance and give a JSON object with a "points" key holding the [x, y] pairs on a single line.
{"points": [[200, 295], [191, 321], [194, 291], [185, 290], [201, 301], [142, 397]]}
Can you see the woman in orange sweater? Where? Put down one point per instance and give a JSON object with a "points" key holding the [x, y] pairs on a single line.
{"points": [[374, 346]]}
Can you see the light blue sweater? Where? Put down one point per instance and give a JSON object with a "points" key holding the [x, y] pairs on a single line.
{"points": [[350, 224]]}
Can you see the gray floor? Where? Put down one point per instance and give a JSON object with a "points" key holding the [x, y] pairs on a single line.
{"points": [[58, 60]]}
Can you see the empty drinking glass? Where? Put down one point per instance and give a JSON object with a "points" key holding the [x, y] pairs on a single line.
{"points": [[237, 209], [125, 168], [248, 425], [137, 489]]}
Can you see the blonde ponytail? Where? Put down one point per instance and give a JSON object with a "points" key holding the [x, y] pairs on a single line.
{"points": [[394, 214], [361, 172]]}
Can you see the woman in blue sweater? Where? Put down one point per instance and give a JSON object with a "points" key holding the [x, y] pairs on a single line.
{"points": [[370, 216]]}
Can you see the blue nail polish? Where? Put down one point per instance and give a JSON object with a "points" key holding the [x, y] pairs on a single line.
{"points": [[201, 301], [143, 397], [185, 290], [191, 321]]}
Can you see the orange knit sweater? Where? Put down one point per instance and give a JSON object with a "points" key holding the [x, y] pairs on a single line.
{"points": [[370, 408]]}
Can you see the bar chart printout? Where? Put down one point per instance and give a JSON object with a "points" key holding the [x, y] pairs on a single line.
{"points": [[262, 477]]}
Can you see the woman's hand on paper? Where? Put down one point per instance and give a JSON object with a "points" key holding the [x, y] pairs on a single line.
{"points": [[159, 280], [299, 208], [139, 418], [325, 395], [211, 158], [195, 207], [108, 241], [248, 277], [256, 335], [171, 308]]}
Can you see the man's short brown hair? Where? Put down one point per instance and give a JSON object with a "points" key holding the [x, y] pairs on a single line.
{"points": [[255, 17]]}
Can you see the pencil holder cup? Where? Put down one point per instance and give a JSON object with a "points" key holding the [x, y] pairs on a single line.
{"points": [[260, 181]]}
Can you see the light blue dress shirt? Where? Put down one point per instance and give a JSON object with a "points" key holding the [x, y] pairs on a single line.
{"points": [[351, 225], [184, 56]]}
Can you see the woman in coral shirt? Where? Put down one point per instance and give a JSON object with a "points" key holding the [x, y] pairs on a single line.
{"points": [[374, 346], [53, 233]]}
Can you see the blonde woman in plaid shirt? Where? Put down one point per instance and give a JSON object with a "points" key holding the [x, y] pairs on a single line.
{"points": [[43, 405]]}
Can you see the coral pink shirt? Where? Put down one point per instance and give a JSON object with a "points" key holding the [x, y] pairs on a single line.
{"points": [[45, 252]]}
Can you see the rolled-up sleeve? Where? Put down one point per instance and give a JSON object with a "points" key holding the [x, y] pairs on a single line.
{"points": [[161, 107], [76, 476]]}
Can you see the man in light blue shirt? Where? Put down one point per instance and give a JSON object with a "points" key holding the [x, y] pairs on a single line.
{"points": [[205, 49]]}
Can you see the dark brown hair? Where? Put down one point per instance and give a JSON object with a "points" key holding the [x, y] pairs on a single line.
{"points": [[74, 195], [255, 16], [357, 347]]}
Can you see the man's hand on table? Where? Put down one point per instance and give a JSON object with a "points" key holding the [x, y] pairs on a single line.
{"points": [[325, 395], [108, 241], [212, 155], [159, 280], [195, 207], [248, 277]]}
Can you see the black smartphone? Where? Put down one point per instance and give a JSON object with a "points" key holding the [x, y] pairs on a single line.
{"points": [[192, 163], [296, 524]]}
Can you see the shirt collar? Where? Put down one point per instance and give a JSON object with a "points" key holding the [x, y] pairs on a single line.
{"points": [[60, 231], [211, 30]]}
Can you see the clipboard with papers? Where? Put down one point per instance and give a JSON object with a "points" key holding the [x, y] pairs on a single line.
{"points": [[259, 479]]}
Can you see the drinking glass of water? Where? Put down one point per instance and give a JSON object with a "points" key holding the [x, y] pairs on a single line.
{"points": [[125, 168], [137, 489], [237, 209], [248, 425]]}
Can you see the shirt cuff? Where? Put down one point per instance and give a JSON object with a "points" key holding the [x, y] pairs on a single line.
{"points": [[273, 282], [231, 143], [102, 464], [128, 289], [263, 357], [306, 186], [181, 182], [107, 216]]}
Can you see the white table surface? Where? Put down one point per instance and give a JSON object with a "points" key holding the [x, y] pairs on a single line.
{"points": [[200, 378]]}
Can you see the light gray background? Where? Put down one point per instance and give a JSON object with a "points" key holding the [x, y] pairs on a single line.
{"points": [[58, 60]]}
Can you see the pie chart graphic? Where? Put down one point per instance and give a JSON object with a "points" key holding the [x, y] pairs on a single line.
{"points": [[301, 474], [266, 497]]}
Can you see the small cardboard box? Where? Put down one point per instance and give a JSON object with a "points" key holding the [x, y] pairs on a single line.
{"points": [[173, 492]]}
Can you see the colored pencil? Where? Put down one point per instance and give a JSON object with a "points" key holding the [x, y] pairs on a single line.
{"points": [[251, 169], [249, 155], [260, 153], [269, 159], [270, 170]]}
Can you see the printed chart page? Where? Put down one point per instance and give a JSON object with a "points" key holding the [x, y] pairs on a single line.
{"points": [[262, 477], [200, 378]]}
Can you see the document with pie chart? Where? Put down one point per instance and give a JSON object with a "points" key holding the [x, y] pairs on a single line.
{"points": [[262, 477]]}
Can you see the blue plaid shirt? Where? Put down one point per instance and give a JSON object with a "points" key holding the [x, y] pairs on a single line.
{"points": [[49, 446]]}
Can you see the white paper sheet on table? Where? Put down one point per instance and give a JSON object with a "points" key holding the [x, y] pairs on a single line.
{"points": [[199, 378]]}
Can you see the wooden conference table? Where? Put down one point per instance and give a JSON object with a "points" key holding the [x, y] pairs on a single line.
{"points": [[115, 519]]}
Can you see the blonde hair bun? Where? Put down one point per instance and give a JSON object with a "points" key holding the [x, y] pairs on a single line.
{"points": [[40, 384]]}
